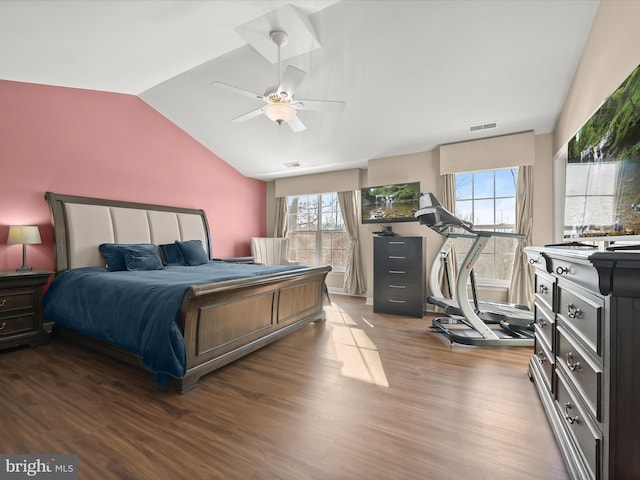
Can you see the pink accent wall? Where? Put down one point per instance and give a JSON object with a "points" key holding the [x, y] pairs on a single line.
{"points": [[107, 145]]}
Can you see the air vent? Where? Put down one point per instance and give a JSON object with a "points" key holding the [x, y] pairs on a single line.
{"points": [[484, 126], [291, 164]]}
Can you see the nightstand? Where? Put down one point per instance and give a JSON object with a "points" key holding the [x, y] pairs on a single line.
{"points": [[21, 309]]}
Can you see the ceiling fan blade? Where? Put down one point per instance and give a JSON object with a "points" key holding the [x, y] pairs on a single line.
{"points": [[238, 90], [296, 124], [290, 81], [248, 116], [319, 105]]}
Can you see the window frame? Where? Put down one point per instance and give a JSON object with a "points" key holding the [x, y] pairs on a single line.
{"points": [[491, 250], [319, 230]]}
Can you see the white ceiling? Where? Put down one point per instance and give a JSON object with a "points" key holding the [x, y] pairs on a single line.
{"points": [[414, 74]]}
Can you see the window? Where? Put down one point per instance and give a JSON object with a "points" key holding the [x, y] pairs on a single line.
{"points": [[316, 230], [590, 197], [488, 200]]}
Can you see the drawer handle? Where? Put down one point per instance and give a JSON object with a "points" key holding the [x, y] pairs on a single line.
{"points": [[3, 302], [396, 257], [569, 418], [541, 322], [533, 261], [397, 286], [397, 272], [4, 324], [397, 301], [542, 358], [573, 311], [543, 289], [573, 366], [562, 270]]}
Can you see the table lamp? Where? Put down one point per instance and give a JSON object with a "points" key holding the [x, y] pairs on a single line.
{"points": [[23, 234]]}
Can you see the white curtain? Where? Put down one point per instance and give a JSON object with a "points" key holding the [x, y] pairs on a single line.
{"points": [[353, 279], [449, 202], [280, 227], [521, 290]]}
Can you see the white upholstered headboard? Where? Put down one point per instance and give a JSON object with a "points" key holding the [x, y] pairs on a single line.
{"points": [[81, 224]]}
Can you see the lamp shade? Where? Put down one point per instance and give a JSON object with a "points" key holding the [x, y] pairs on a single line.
{"points": [[279, 112], [24, 234]]}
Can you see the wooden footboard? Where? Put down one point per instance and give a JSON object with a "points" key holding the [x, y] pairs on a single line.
{"points": [[225, 321]]}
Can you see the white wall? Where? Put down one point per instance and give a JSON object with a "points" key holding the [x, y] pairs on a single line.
{"points": [[611, 53]]}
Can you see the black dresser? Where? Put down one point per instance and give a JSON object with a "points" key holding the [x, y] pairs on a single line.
{"points": [[586, 363], [398, 275]]}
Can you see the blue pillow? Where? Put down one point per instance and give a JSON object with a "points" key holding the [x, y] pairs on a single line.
{"points": [[193, 252], [142, 261], [171, 254], [113, 253]]}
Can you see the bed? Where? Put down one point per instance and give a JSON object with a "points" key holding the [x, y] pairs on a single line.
{"points": [[217, 311]]}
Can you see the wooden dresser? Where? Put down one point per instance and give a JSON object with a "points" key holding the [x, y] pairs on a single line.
{"points": [[398, 275], [21, 309], [586, 362]]}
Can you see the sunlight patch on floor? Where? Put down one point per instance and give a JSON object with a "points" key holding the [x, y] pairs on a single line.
{"points": [[358, 353]]}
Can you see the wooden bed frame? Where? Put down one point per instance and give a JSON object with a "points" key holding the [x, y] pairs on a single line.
{"points": [[220, 322]]}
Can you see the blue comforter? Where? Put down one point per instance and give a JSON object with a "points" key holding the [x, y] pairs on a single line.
{"points": [[138, 310]]}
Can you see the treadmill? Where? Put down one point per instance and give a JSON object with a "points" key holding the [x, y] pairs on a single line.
{"points": [[470, 321]]}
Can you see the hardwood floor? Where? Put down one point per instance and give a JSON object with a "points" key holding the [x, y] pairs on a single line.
{"points": [[362, 395]]}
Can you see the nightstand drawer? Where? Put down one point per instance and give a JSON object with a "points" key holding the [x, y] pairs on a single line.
{"points": [[16, 324], [11, 300]]}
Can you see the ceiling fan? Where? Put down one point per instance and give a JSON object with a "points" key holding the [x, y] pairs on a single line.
{"points": [[281, 106]]}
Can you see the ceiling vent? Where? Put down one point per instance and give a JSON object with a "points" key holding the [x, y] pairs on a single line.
{"points": [[484, 126]]}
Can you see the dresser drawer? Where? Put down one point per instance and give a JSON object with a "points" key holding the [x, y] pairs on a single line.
{"points": [[587, 437], [12, 325], [397, 287], [398, 276], [544, 325], [11, 300], [391, 303], [544, 360], [396, 261], [582, 274], [545, 289], [400, 252], [581, 370], [583, 313]]}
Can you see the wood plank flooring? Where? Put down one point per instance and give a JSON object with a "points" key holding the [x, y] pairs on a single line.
{"points": [[362, 395]]}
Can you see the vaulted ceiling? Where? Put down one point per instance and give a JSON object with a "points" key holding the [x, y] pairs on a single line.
{"points": [[413, 74]]}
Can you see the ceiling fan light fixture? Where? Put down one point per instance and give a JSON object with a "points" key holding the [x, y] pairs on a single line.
{"points": [[279, 112]]}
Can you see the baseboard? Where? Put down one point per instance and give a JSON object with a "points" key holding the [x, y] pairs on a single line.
{"points": [[340, 291]]}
